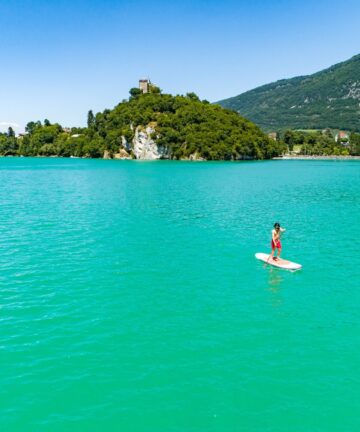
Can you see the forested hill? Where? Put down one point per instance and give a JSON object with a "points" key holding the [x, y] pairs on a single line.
{"points": [[326, 99], [149, 126], [184, 126]]}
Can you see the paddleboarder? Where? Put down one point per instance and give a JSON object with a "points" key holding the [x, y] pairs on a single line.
{"points": [[276, 241]]}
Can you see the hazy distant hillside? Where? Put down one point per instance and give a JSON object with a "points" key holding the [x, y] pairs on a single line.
{"points": [[326, 99]]}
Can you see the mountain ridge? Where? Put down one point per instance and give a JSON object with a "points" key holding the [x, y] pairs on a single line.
{"points": [[329, 98]]}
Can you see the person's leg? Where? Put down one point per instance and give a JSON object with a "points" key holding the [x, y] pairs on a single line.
{"points": [[271, 256], [279, 252]]}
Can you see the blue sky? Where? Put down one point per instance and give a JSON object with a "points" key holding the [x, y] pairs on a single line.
{"points": [[61, 58]]}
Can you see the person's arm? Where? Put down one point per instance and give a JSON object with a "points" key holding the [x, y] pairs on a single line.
{"points": [[282, 229]]}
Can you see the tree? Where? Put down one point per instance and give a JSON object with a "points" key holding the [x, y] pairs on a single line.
{"points": [[11, 133], [154, 89], [90, 119], [135, 92], [192, 96], [327, 132], [8, 143], [47, 123], [355, 144], [32, 126], [289, 138]]}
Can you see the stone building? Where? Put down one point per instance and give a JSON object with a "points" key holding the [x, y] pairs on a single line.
{"points": [[144, 85], [273, 135]]}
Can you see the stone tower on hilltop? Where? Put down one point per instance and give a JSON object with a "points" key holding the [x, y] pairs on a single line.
{"points": [[144, 85]]}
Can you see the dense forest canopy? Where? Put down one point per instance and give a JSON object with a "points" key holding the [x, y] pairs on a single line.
{"points": [[183, 125], [320, 143]]}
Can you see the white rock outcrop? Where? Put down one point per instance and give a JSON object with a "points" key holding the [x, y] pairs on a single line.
{"points": [[123, 154], [145, 148], [195, 157], [106, 155], [125, 144]]}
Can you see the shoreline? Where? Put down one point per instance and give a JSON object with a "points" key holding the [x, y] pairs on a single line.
{"points": [[300, 157], [314, 157]]}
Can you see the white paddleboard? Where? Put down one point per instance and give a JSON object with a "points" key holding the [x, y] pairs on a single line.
{"points": [[281, 263]]}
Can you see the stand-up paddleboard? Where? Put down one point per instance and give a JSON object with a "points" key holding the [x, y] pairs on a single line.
{"points": [[281, 263]]}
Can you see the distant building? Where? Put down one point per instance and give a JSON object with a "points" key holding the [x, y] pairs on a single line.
{"points": [[273, 136], [144, 85], [342, 137]]}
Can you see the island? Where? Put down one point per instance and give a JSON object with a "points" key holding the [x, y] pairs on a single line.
{"points": [[149, 125]]}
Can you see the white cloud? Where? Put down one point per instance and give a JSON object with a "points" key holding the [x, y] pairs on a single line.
{"points": [[4, 126]]}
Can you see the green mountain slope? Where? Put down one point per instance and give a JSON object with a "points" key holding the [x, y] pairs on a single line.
{"points": [[326, 99]]}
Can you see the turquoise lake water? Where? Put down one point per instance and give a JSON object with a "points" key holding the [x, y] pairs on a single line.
{"points": [[130, 298]]}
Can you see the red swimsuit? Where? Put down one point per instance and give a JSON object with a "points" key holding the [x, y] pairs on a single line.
{"points": [[275, 245]]}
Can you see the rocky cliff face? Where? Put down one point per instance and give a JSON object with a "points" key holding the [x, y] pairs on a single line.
{"points": [[142, 147], [122, 154], [145, 148]]}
